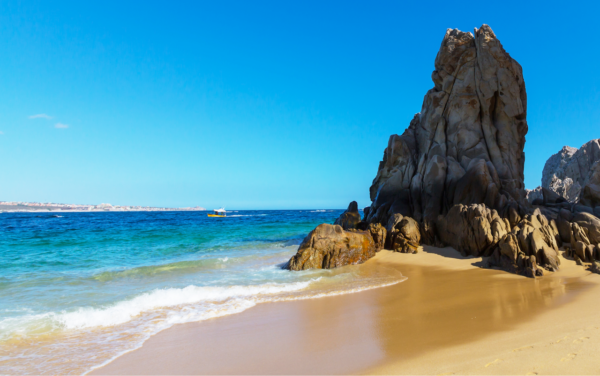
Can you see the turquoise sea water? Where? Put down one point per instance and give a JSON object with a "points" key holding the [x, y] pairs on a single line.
{"points": [[79, 289]]}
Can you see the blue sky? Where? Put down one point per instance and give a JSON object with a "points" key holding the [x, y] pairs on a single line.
{"points": [[256, 104]]}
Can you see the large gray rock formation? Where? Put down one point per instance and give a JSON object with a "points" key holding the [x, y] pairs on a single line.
{"points": [[455, 177], [555, 168], [570, 170], [458, 168], [466, 145]]}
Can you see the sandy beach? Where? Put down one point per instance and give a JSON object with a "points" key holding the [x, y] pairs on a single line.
{"points": [[299, 188], [451, 316]]}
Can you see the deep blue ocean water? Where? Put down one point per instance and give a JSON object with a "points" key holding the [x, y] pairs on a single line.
{"points": [[79, 289]]}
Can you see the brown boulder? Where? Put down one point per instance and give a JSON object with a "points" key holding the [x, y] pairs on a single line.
{"points": [[590, 253], [329, 246], [532, 239], [350, 218], [472, 230], [578, 234], [538, 272], [537, 242], [580, 250], [406, 237], [378, 233], [549, 258], [591, 223], [393, 221], [509, 246]]}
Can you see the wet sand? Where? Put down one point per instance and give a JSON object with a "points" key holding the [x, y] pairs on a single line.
{"points": [[449, 316]]}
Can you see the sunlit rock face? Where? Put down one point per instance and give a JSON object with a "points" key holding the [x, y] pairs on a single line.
{"points": [[455, 177], [329, 246], [569, 171], [466, 145]]}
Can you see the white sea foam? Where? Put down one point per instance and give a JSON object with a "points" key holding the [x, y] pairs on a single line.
{"points": [[124, 311], [114, 330]]}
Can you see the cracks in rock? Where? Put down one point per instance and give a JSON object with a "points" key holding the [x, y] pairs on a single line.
{"points": [[477, 90]]}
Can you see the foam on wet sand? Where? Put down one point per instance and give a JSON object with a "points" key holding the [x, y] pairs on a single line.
{"points": [[449, 317]]}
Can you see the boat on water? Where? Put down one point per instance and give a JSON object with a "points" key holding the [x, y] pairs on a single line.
{"points": [[221, 213]]}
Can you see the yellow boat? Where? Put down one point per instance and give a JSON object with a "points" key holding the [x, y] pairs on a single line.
{"points": [[220, 213]]}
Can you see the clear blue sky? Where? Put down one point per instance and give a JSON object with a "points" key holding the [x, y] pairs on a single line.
{"points": [[256, 104]]}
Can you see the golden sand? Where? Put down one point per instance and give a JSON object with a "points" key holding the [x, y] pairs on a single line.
{"points": [[450, 317]]}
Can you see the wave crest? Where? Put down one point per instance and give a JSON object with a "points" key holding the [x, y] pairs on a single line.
{"points": [[124, 311]]}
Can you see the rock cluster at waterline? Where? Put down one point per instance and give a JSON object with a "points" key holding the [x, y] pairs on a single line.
{"points": [[347, 241], [329, 246], [455, 177]]}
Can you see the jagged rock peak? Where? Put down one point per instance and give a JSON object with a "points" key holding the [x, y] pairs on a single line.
{"points": [[466, 144], [567, 172], [555, 163]]}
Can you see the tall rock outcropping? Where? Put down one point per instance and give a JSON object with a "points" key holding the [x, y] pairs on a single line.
{"points": [[466, 145], [455, 177]]}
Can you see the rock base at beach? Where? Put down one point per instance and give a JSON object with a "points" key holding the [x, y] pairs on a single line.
{"points": [[379, 235], [472, 230], [522, 245], [329, 246], [529, 245], [404, 234]]}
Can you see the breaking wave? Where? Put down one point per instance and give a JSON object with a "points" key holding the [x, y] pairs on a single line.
{"points": [[126, 310]]}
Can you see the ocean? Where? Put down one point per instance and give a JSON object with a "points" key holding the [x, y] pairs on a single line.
{"points": [[79, 289]]}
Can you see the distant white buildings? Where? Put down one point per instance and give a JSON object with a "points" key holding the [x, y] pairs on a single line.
{"points": [[11, 206]]}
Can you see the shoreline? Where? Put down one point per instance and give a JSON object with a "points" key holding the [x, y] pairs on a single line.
{"points": [[448, 309], [56, 211]]}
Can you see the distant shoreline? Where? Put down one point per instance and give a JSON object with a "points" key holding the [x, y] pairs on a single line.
{"points": [[97, 211], [36, 207]]}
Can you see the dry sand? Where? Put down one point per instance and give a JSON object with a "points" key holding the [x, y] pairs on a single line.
{"points": [[450, 317]]}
